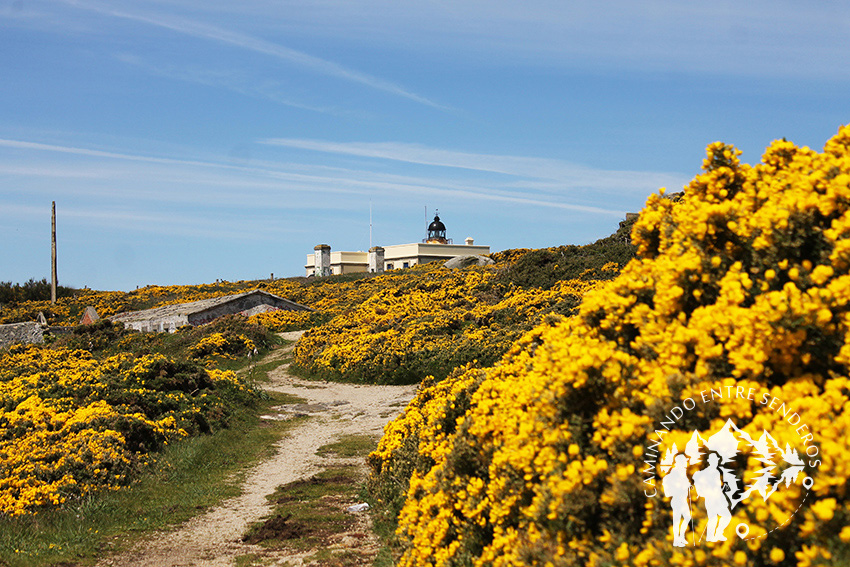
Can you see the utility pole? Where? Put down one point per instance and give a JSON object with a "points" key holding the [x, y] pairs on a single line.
{"points": [[53, 279]]}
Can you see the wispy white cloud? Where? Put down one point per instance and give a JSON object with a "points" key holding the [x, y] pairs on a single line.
{"points": [[16, 210], [215, 183], [230, 80], [198, 224], [192, 224], [25, 145], [756, 38], [243, 41], [563, 173], [49, 170]]}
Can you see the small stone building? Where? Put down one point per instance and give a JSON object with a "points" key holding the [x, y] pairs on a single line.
{"points": [[170, 317]]}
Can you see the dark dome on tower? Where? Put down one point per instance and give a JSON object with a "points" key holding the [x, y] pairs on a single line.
{"points": [[436, 231], [436, 224]]}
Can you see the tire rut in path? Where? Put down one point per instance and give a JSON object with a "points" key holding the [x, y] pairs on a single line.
{"points": [[214, 538]]}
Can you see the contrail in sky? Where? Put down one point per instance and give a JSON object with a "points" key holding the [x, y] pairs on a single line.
{"points": [[317, 64]]}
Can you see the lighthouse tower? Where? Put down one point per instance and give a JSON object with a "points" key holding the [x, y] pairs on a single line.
{"points": [[436, 231]]}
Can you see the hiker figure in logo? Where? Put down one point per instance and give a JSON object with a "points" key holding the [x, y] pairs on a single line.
{"points": [[677, 487], [710, 486]]}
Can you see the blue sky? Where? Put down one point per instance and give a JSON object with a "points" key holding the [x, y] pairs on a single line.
{"points": [[186, 141]]}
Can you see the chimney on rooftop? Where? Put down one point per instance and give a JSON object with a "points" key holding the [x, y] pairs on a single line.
{"points": [[322, 260], [376, 259]]}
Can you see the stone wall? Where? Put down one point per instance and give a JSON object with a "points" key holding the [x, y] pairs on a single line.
{"points": [[162, 324], [21, 333]]}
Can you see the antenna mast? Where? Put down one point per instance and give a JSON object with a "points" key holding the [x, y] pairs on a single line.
{"points": [[370, 223], [53, 278]]}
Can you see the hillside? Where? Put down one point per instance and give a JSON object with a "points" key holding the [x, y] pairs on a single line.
{"points": [[735, 312], [331, 295], [400, 326], [130, 394]]}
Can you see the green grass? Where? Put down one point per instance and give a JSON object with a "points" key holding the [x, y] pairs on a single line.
{"points": [[249, 560], [384, 524], [267, 367], [308, 513], [189, 477], [355, 445], [284, 399], [259, 372]]}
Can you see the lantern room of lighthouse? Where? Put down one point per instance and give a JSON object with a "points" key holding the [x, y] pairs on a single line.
{"points": [[437, 231]]}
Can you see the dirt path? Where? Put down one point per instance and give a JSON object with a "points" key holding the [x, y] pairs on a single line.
{"points": [[214, 539]]}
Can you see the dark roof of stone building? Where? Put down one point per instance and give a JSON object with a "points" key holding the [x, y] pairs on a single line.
{"points": [[199, 307]]}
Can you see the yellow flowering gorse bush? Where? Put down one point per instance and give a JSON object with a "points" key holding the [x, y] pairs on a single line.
{"points": [[224, 345], [431, 325], [740, 286], [71, 423]]}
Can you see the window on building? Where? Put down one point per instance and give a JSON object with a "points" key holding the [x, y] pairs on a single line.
{"points": [[406, 265], [389, 265]]}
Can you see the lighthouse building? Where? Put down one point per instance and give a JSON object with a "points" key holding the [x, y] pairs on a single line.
{"points": [[325, 262]]}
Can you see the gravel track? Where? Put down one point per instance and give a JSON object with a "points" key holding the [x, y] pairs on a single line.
{"points": [[214, 538]]}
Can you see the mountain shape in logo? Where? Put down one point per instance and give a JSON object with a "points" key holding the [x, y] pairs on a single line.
{"points": [[695, 448], [725, 442]]}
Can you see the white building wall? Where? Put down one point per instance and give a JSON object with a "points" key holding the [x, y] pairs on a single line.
{"points": [[395, 257]]}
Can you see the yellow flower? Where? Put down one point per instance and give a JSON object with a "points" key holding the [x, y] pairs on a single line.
{"points": [[824, 509], [622, 552]]}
